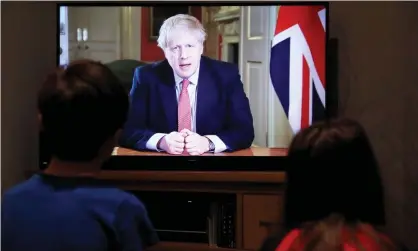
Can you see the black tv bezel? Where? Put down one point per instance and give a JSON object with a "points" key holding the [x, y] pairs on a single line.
{"points": [[216, 163], [198, 163]]}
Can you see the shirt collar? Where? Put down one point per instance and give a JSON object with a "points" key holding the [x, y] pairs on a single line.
{"points": [[193, 78]]}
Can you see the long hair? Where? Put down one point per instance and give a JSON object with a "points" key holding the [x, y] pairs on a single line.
{"points": [[333, 185], [335, 234]]}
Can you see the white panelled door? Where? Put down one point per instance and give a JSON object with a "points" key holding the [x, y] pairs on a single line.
{"points": [[255, 47], [94, 33], [64, 35]]}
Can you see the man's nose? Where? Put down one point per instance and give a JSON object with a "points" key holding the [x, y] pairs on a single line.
{"points": [[183, 53]]}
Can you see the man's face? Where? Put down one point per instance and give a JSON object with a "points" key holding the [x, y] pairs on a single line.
{"points": [[183, 53]]}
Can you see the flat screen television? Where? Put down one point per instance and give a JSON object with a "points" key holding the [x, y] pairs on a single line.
{"points": [[272, 82]]}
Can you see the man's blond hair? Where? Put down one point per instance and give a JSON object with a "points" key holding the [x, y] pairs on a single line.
{"points": [[180, 21]]}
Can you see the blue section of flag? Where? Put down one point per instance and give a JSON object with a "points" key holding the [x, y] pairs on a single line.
{"points": [[280, 71]]}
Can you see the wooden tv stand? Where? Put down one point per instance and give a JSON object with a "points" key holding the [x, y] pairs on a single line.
{"points": [[259, 196]]}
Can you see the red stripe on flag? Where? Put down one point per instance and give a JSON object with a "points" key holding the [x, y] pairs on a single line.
{"points": [[306, 97], [308, 19]]}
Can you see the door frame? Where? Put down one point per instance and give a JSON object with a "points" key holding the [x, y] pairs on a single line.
{"points": [[130, 23]]}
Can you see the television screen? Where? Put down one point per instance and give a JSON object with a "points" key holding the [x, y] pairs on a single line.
{"points": [[207, 80]]}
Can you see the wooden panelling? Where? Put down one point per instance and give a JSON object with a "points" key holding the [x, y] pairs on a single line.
{"points": [[261, 217]]}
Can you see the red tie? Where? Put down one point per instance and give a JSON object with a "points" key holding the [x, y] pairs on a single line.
{"points": [[184, 109]]}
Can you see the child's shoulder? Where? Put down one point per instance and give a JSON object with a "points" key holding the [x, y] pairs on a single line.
{"points": [[110, 194], [30, 185]]}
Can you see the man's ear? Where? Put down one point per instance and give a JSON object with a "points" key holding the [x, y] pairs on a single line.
{"points": [[202, 48]]}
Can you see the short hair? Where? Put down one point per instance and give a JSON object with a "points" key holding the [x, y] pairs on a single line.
{"points": [[332, 170], [180, 21], [81, 106]]}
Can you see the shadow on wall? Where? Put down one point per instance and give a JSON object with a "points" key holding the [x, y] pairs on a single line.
{"points": [[377, 86], [24, 67]]}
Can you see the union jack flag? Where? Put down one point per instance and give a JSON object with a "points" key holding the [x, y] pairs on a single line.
{"points": [[297, 66]]}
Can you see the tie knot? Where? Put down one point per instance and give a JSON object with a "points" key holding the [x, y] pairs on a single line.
{"points": [[185, 83]]}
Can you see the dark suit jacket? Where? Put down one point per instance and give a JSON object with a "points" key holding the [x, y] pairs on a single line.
{"points": [[222, 106]]}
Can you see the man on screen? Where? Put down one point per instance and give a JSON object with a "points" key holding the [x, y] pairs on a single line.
{"points": [[187, 103]]}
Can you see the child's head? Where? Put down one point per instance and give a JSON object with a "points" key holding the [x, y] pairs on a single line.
{"points": [[82, 107], [332, 169]]}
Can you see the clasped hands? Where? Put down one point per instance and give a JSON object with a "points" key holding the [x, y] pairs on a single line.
{"points": [[177, 142]]}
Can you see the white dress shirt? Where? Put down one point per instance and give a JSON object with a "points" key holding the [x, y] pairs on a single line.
{"points": [[192, 89]]}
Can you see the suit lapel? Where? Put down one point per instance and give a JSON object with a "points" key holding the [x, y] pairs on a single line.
{"points": [[168, 94], [205, 96]]}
